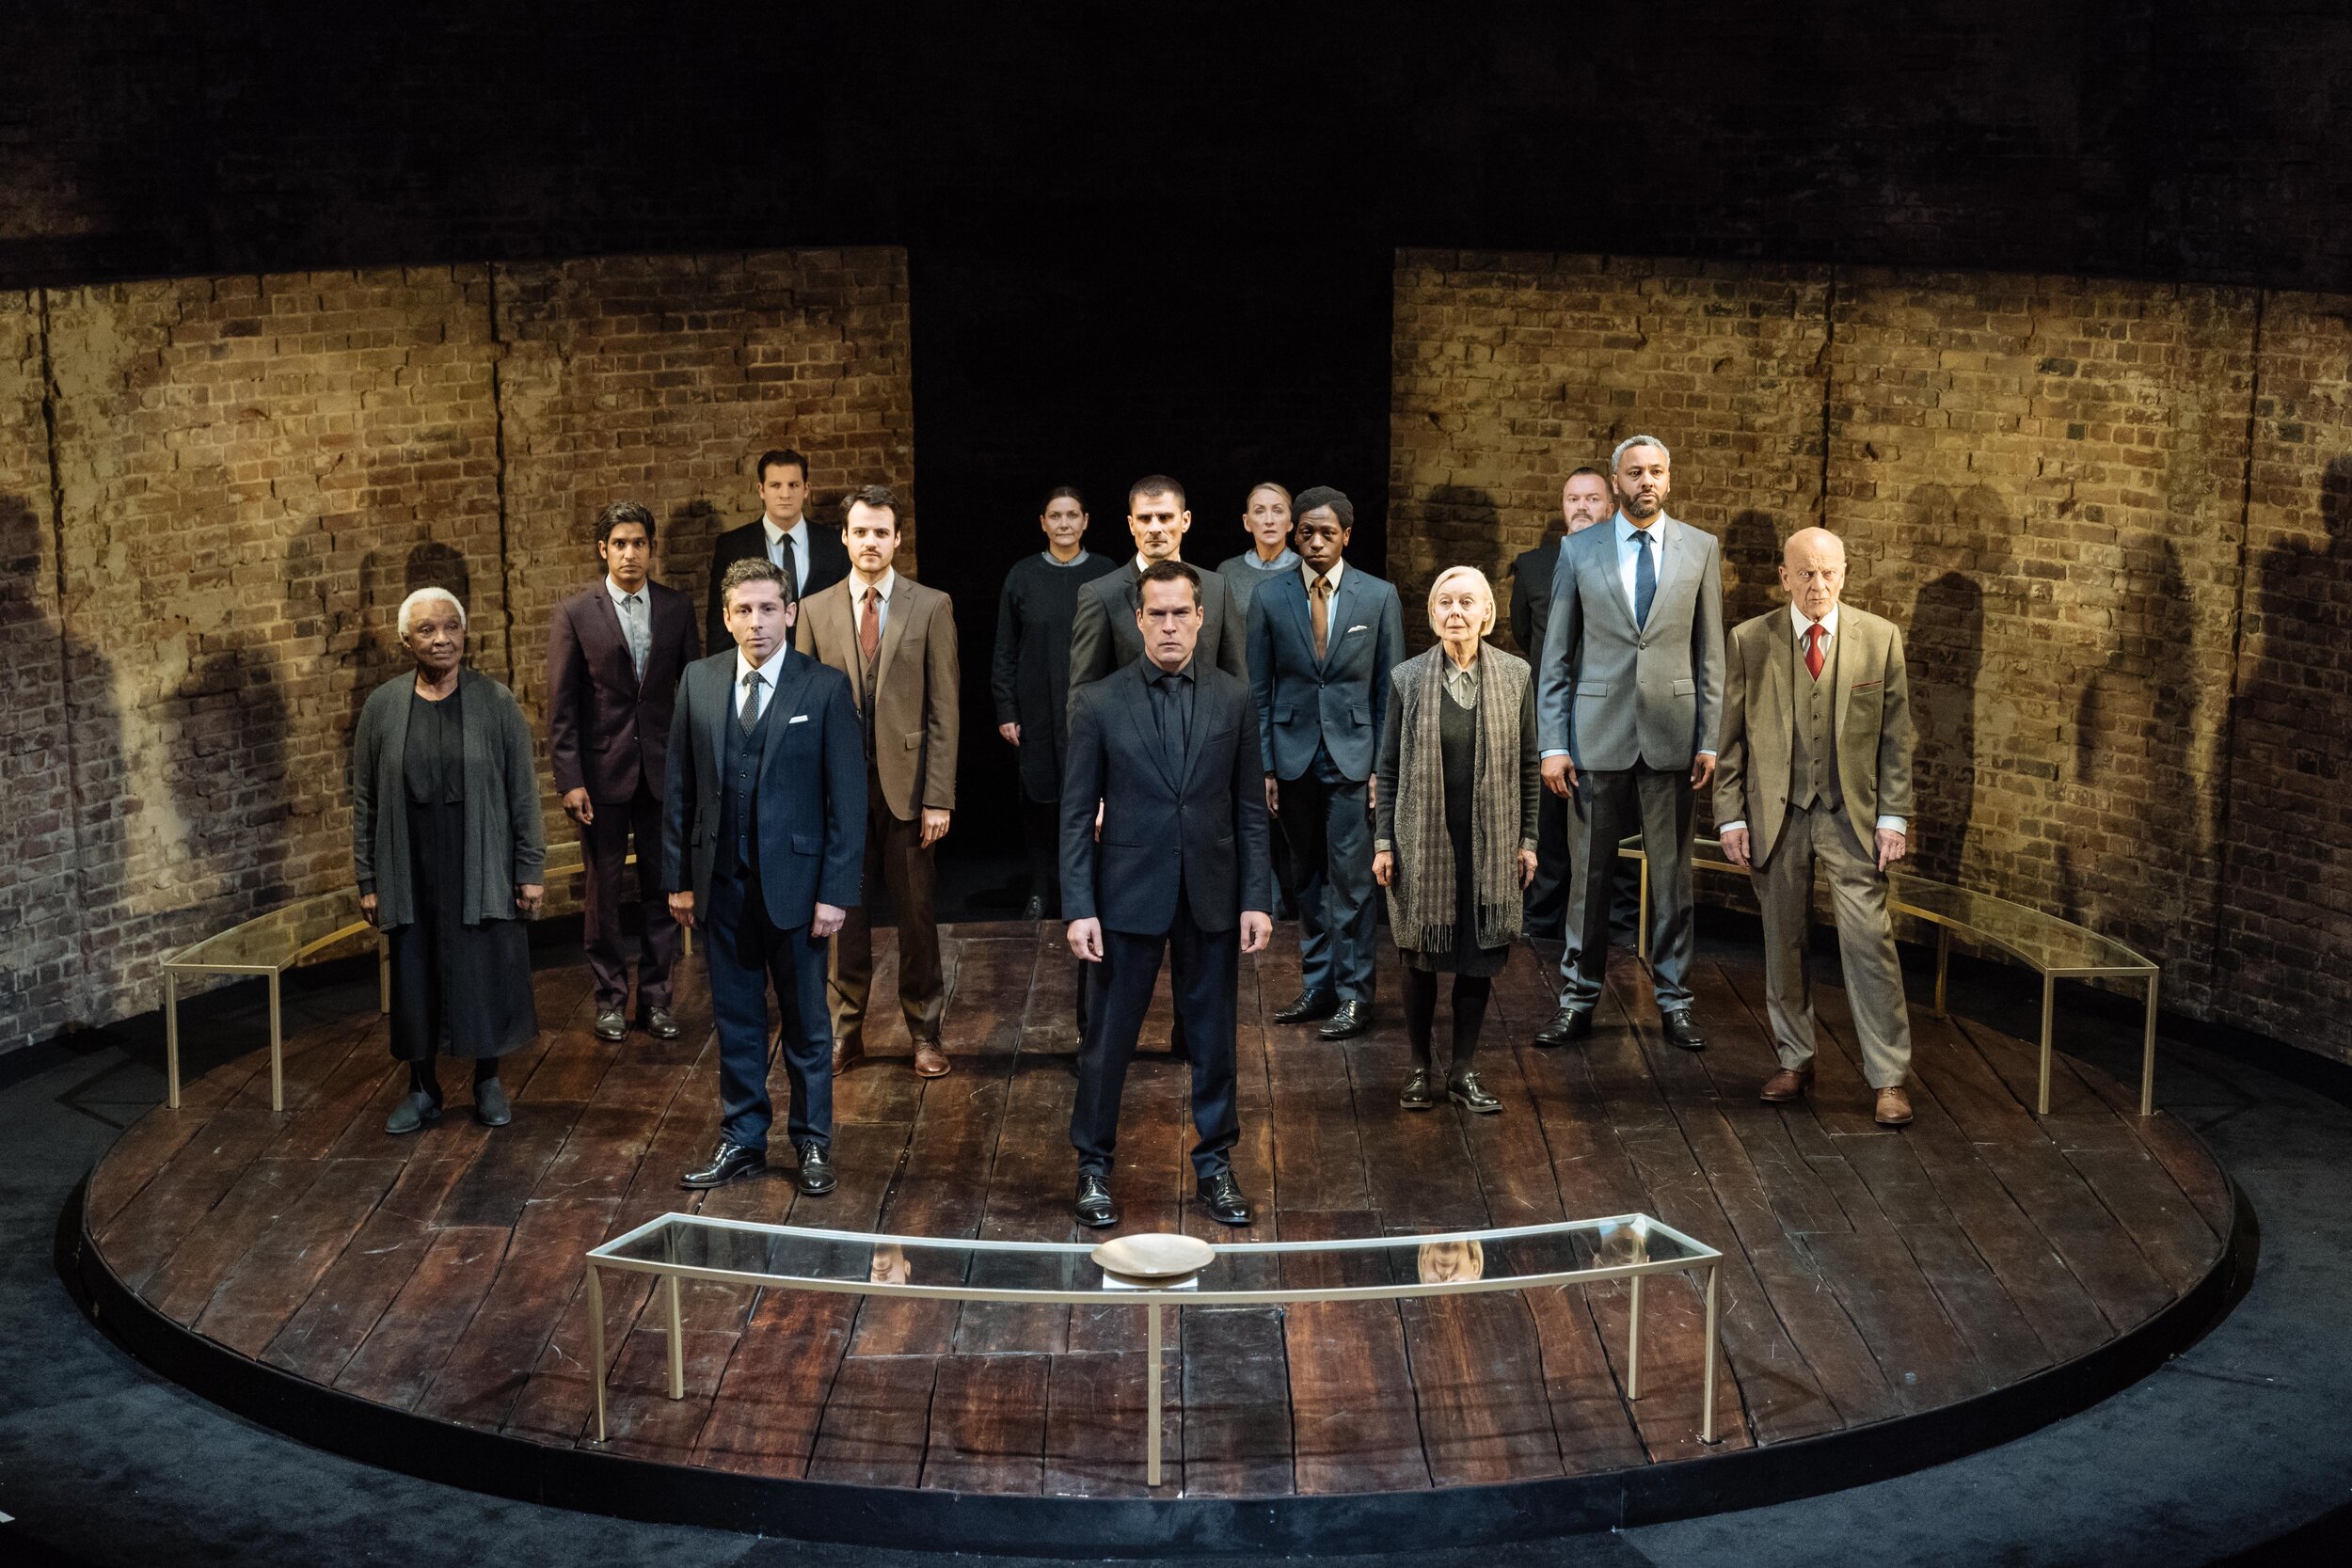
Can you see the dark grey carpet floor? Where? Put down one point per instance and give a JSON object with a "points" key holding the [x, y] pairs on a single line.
{"points": [[2239, 1450]]}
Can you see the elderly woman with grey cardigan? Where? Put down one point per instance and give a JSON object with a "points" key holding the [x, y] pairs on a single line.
{"points": [[445, 839], [1455, 835]]}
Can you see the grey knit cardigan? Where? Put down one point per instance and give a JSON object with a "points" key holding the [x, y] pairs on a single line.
{"points": [[504, 844]]}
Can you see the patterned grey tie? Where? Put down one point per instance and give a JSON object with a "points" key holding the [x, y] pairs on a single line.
{"points": [[751, 683], [640, 636]]}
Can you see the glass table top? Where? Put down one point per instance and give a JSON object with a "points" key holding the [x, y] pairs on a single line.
{"points": [[2046, 942], [1258, 1271], [274, 939]]}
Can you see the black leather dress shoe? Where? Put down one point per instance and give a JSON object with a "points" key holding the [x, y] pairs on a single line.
{"points": [[1683, 1030], [1094, 1207], [490, 1106], [1352, 1019], [817, 1176], [1415, 1095], [732, 1160], [611, 1024], [661, 1025], [1311, 1006], [1465, 1091], [1220, 1195], [1034, 909], [420, 1109], [1569, 1024]]}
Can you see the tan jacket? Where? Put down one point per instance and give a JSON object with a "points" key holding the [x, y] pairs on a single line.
{"points": [[1873, 717], [915, 692]]}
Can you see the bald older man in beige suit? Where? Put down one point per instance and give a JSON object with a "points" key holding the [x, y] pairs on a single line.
{"points": [[1815, 766]]}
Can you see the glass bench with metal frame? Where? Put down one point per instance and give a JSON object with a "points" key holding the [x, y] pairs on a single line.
{"points": [[270, 945], [2054, 948], [1186, 1271]]}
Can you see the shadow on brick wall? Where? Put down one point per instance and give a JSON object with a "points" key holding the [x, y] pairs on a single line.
{"points": [[390, 577], [60, 745], [1945, 651], [1752, 548], [226, 771]]}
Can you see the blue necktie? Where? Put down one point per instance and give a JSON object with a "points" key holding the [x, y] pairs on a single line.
{"points": [[1645, 578]]}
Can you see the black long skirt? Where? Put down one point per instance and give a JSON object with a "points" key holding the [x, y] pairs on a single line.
{"points": [[457, 989]]}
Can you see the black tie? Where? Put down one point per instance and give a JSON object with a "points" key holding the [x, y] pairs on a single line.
{"points": [[1170, 710]]}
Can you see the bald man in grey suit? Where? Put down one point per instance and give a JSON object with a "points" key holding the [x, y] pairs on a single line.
{"points": [[1628, 713]]}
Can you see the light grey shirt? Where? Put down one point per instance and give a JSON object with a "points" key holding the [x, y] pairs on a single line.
{"points": [[636, 622]]}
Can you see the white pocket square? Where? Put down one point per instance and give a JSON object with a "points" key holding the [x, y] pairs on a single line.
{"points": [[798, 719], [1353, 630]]}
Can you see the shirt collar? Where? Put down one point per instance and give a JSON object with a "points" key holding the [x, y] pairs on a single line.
{"points": [[743, 667], [1284, 563], [1307, 575], [621, 598], [889, 581], [1078, 560], [1626, 530], [1799, 619], [1183, 672], [797, 532]]}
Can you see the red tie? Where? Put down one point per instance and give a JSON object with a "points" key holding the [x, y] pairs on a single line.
{"points": [[1812, 634]]}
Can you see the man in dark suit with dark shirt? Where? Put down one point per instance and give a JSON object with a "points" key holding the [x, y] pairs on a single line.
{"points": [[1169, 746], [614, 655], [782, 535], [1585, 499], [763, 836]]}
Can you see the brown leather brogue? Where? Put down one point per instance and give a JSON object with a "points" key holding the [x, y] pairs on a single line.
{"points": [[1894, 1108], [930, 1060], [842, 1056], [1789, 1083]]}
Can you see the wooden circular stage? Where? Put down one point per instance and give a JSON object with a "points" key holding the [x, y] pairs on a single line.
{"points": [[1890, 1299]]}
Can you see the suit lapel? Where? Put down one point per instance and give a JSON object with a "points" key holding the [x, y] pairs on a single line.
{"points": [[1682, 559], [901, 609], [1301, 612], [1844, 671], [1603, 555], [1200, 716], [791, 680], [610, 616], [1138, 714], [1780, 683], [716, 711]]}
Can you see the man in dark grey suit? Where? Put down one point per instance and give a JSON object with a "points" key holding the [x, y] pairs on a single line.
{"points": [[1630, 704], [1169, 746], [1585, 499], [1104, 638], [1322, 641], [762, 844]]}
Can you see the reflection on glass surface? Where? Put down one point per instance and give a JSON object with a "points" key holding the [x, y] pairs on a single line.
{"points": [[1443, 1263], [890, 1265], [1621, 1244], [274, 938]]}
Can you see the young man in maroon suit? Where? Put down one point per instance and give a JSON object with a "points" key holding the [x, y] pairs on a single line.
{"points": [[614, 654]]}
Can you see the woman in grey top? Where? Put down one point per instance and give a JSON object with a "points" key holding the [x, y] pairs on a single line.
{"points": [[1454, 832], [446, 842]]}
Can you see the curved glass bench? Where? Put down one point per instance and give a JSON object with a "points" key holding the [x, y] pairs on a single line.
{"points": [[677, 1247], [269, 944], [2054, 948]]}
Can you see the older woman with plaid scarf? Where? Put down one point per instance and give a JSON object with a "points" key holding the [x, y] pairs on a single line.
{"points": [[1455, 836]]}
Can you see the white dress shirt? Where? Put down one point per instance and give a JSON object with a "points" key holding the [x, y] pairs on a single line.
{"points": [[1307, 577], [766, 682], [797, 537], [1798, 623]]}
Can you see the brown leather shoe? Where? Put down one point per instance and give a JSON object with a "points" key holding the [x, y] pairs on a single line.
{"points": [[842, 1056], [930, 1060], [1894, 1107], [1789, 1083]]}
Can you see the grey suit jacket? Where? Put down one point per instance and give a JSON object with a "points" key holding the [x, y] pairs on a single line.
{"points": [[1872, 702], [1613, 696], [1103, 637]]}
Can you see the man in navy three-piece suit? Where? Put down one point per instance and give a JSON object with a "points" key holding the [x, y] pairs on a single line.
{"points": [[1322, 641], [614, 655], [1169, 745], [762, 846]]}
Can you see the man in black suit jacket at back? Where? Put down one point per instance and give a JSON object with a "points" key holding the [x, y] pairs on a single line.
{"points": [[1169, 745], [614, 655], [763, 841], [782, 535]]}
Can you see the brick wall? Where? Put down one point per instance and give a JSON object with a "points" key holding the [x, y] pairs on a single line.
{"points": [[252, 472], [2045, 480]]}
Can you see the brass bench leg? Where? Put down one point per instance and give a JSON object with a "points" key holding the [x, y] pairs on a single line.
{"points": [[276, 1050], [677, 1344], [595, 1342], [1943, 966], [1641, 937], [1151, 1376], [1633, 1344], [2148, 1055], [171, 1039], [2041, 1098], [1707, 1420], [383, 974]]}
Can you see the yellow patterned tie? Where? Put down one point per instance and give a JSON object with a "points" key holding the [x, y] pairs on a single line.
{"points": [[1320, 607]]}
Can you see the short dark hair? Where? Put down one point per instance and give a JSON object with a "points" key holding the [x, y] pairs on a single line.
{"points": [[622, 511], [878, 495], [756, 569], [1155, 485], [777, 457], [1579, 473], [1168, 570], [1323, 495], [1056, 493]]}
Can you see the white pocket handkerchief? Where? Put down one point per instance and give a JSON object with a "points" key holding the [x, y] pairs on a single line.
{"points": [[1353, 630], [798, 719]]}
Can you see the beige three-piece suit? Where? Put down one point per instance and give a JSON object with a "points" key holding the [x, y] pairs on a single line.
{"points": [[1813, 768]]}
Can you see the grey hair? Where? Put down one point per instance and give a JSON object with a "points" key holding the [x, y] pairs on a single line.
{"points": [[1616, 458], [426, 596]]}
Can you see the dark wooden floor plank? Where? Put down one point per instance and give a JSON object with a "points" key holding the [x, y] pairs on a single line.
{"points": [[1928, 1362], [276, 1273], [478, 1384], [1097, 1407], [877, 1421], [988, 1425], [154, 1141], [1589, 1419], [1417, 1168], [1478, 1376], [183, 1288], [1236, 1407], [397, 1360], [2154, 1212], [1355, 1424], [1026, 1202]]}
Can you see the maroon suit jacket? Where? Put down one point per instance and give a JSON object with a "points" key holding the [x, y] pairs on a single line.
{"points": [[607, 729]]}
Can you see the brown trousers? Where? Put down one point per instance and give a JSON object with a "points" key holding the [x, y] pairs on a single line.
{"points": [[896, 860]]}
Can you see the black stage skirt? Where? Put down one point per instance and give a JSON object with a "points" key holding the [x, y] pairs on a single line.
{"points": [[457, 989]]}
